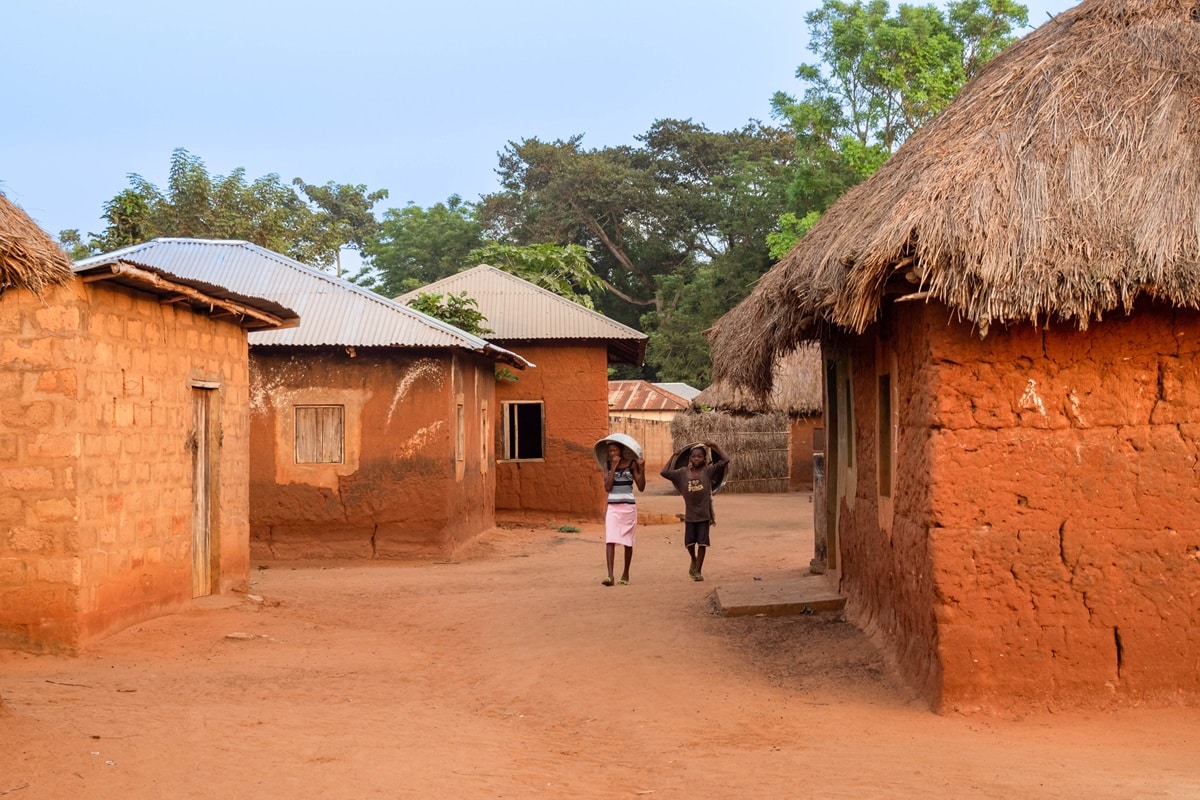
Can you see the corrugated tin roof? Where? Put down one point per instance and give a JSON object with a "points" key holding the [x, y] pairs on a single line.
{"points": [[332, 311], [518, 311], [680, 389], [642, 396]]}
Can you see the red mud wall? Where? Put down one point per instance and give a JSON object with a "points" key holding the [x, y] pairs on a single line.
{"points": [[40, 566], [400, 490], [1041, 547], [1066, 544], [572, 382], [883, 542], [97, 416]]}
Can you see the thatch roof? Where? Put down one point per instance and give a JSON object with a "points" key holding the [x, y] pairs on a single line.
{"points": [[29, 258], [795, 390], [1062, 182]]}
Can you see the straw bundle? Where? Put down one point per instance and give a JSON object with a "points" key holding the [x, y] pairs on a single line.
{"points": [[757, 446], [1063, 182], [29, 258]]}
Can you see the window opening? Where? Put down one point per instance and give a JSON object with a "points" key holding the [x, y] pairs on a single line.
{"points": [[523, 431]]}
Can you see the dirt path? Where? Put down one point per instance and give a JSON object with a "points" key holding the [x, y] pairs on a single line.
{"points": [[509, 671]]}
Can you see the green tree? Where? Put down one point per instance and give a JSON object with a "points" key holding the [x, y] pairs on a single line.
{"points": [[266, 212], [343, 216], [416, 246], [880, 76], [686, 200], [459, 310], [562, 269]]}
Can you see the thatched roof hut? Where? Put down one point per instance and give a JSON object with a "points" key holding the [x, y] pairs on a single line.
{"points": [[1010, 463], [773, 439], [1063, 182], [795, 388], [29, 258]]}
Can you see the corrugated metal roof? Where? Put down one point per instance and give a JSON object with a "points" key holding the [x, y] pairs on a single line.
{"points": [[332, 311], [642, 396], [517, 310], [683, 390]]}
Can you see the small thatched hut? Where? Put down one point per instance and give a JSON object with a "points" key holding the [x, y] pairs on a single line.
{"points": [[793, 407], [1008, 316], [29, 259]]}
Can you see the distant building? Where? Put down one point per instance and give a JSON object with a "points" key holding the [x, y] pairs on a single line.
{"points": [[548, 418], [370, 423], [644, 410]]}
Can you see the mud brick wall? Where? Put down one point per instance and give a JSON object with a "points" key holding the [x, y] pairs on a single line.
{"points": [[41, 356], [400, 490], [572, 382], [95, 465], [1057, 472], [883, 545]]}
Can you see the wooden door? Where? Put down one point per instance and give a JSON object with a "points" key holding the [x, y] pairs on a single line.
{"points": [[202, 471]]}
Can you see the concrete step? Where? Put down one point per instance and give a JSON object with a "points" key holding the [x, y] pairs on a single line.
{"points": [[806, 594]]}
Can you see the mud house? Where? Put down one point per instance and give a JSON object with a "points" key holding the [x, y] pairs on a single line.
{"points": [[370, 423], [1008, 317], [124, 441], [644, 410], [547, 420]]}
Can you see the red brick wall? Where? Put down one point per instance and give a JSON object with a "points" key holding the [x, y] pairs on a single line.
{"points": [[401, 490], [572, 382], [1043, 546], [95, 464]]}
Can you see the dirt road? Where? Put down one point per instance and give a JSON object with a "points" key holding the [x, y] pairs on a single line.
{"points": [[509, 671]]}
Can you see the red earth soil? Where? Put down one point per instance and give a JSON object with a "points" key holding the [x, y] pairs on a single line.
{"points": [[507, 670]]}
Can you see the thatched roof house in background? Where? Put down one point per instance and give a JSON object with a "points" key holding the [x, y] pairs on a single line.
{"points": [[548, 418], [774, 438], [1007, 312], [123, 442], [29, 258]]}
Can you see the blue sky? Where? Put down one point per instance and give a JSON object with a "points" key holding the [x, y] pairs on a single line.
{"points": [[415, 98]]}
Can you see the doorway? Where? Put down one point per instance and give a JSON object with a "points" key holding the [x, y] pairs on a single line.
{"points": [[203, 471]]}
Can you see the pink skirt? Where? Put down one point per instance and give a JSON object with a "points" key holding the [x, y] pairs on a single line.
{"points": [[620, 524]]}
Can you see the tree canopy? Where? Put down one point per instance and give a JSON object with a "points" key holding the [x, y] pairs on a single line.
{"points": [[311, 226], [880, 75], [685, 201], [416, 246]]}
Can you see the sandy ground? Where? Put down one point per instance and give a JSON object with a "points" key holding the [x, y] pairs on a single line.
{"points": [[509, 671]]}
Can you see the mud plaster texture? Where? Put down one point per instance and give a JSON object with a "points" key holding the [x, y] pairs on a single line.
{"points": [[410, 482], [1041, 545], [97, 434], [571, 380]]}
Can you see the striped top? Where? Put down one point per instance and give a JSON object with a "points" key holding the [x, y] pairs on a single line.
{"points": [[622, 489]]}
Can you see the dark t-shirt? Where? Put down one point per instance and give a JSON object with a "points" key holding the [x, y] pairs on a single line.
{"points": [[696, 491]]}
